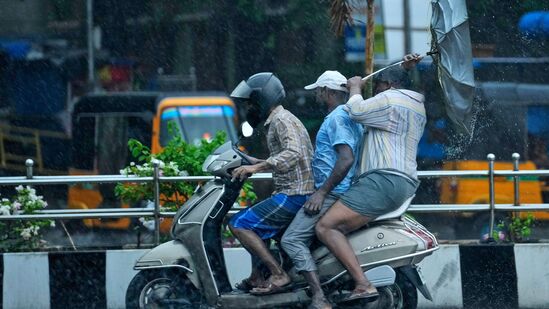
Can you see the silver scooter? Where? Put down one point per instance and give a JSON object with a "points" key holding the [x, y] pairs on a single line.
{"points": [[190, 271]]}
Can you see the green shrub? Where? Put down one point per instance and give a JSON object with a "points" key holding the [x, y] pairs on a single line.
{"points": [[518, 228], [21, 235], [178, 158]]}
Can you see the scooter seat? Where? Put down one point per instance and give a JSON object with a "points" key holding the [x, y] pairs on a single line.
{"points": [[398, 212], [323, 251]]}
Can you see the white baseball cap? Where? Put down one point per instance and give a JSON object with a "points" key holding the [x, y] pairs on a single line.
{"points": [[331, 79]]}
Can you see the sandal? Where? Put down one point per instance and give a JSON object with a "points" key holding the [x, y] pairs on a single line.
{"points": [[324, 304], [270, 288], [365, 295], [245, 285]]}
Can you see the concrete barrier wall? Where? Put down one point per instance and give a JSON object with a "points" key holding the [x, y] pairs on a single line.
{"points": [[119, 269], [442, 274], [457, 276], [532, 264], [26, 280]]}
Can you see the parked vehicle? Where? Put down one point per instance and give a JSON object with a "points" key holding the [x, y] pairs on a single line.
{"points": [[190, 271], [44, 147], [102, 124]]}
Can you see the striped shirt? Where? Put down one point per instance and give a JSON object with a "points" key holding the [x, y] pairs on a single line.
{"points": [[291, 153], [395, 120]]}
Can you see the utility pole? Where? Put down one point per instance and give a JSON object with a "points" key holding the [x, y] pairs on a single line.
{"points": [[91, 56], [369, 44], [407, 29]]}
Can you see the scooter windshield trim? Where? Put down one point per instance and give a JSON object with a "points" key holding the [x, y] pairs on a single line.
{"points": [[190, 207]]}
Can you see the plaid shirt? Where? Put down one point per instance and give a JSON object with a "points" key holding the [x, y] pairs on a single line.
{"points": [[291, 153], [395, 120]]}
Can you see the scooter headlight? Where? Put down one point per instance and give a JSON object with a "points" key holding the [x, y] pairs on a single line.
{"points": [[216, 166], [209, 160]]}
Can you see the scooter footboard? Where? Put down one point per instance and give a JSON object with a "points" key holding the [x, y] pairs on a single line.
{"points": [[171, 254]]}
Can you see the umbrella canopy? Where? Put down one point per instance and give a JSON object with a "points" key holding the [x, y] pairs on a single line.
{"points": [[454, 60]]}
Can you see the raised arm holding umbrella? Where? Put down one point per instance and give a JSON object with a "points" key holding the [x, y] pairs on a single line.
{"points": [[395, 119], [450, 49]]}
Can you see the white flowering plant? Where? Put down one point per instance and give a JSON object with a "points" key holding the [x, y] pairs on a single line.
{"points": [[21, 235], [177, 158]]}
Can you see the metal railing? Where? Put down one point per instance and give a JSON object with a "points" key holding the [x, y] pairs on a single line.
{"points": [[156, 213]]}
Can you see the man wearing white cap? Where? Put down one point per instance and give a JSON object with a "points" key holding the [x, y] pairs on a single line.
{"points": [[334, 164]]}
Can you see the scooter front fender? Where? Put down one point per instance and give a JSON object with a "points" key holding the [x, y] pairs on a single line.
{"points": [[171, 254]]}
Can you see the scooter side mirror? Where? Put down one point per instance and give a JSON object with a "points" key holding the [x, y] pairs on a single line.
{"points": [[247, 129]]}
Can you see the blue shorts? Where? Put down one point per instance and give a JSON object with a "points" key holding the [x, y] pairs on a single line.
{"points": [[267, 218]]}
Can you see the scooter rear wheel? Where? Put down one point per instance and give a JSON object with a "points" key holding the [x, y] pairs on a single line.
{"points": [[400, 295], [404, 293], [167, 288]]}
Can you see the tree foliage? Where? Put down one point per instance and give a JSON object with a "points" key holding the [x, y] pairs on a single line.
{"points": [[178, 158]]}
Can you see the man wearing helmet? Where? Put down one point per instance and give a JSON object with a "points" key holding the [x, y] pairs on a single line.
{"points": [[290, 161], [394, 119]]}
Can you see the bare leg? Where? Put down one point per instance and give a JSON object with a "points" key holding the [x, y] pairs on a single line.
{"points": [[319, 301], [331, 230], [255, 245], [256, 278]]}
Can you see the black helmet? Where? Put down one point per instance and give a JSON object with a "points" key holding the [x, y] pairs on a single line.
{"points": [[263, 91], [395, 76]]}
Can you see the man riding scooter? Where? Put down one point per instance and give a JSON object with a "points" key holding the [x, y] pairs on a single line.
{"points": [[290, 160], [334, 164], [395, 119], [190, 271]]}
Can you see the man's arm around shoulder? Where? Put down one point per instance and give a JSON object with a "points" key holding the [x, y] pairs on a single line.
{"points": [[345, 160]]}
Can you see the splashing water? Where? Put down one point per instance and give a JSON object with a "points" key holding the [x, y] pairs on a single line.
{"points": [[463, 140]]}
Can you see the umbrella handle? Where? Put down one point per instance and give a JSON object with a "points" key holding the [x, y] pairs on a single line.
{"points": [[382, 69], [395, 64]]}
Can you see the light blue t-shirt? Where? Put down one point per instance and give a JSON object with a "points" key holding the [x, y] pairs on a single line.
{"points": [[337, 129]]}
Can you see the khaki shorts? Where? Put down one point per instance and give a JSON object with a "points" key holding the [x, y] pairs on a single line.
{"points": [[376, 193]]}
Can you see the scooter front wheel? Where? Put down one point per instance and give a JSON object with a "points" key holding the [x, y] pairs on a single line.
{"points": [[166, 288]]}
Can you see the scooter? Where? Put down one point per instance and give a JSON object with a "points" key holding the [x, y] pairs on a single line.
{"points": [[190, 271]]}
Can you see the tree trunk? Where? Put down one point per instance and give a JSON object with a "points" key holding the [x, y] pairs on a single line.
{"points": [[369, 47]]}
